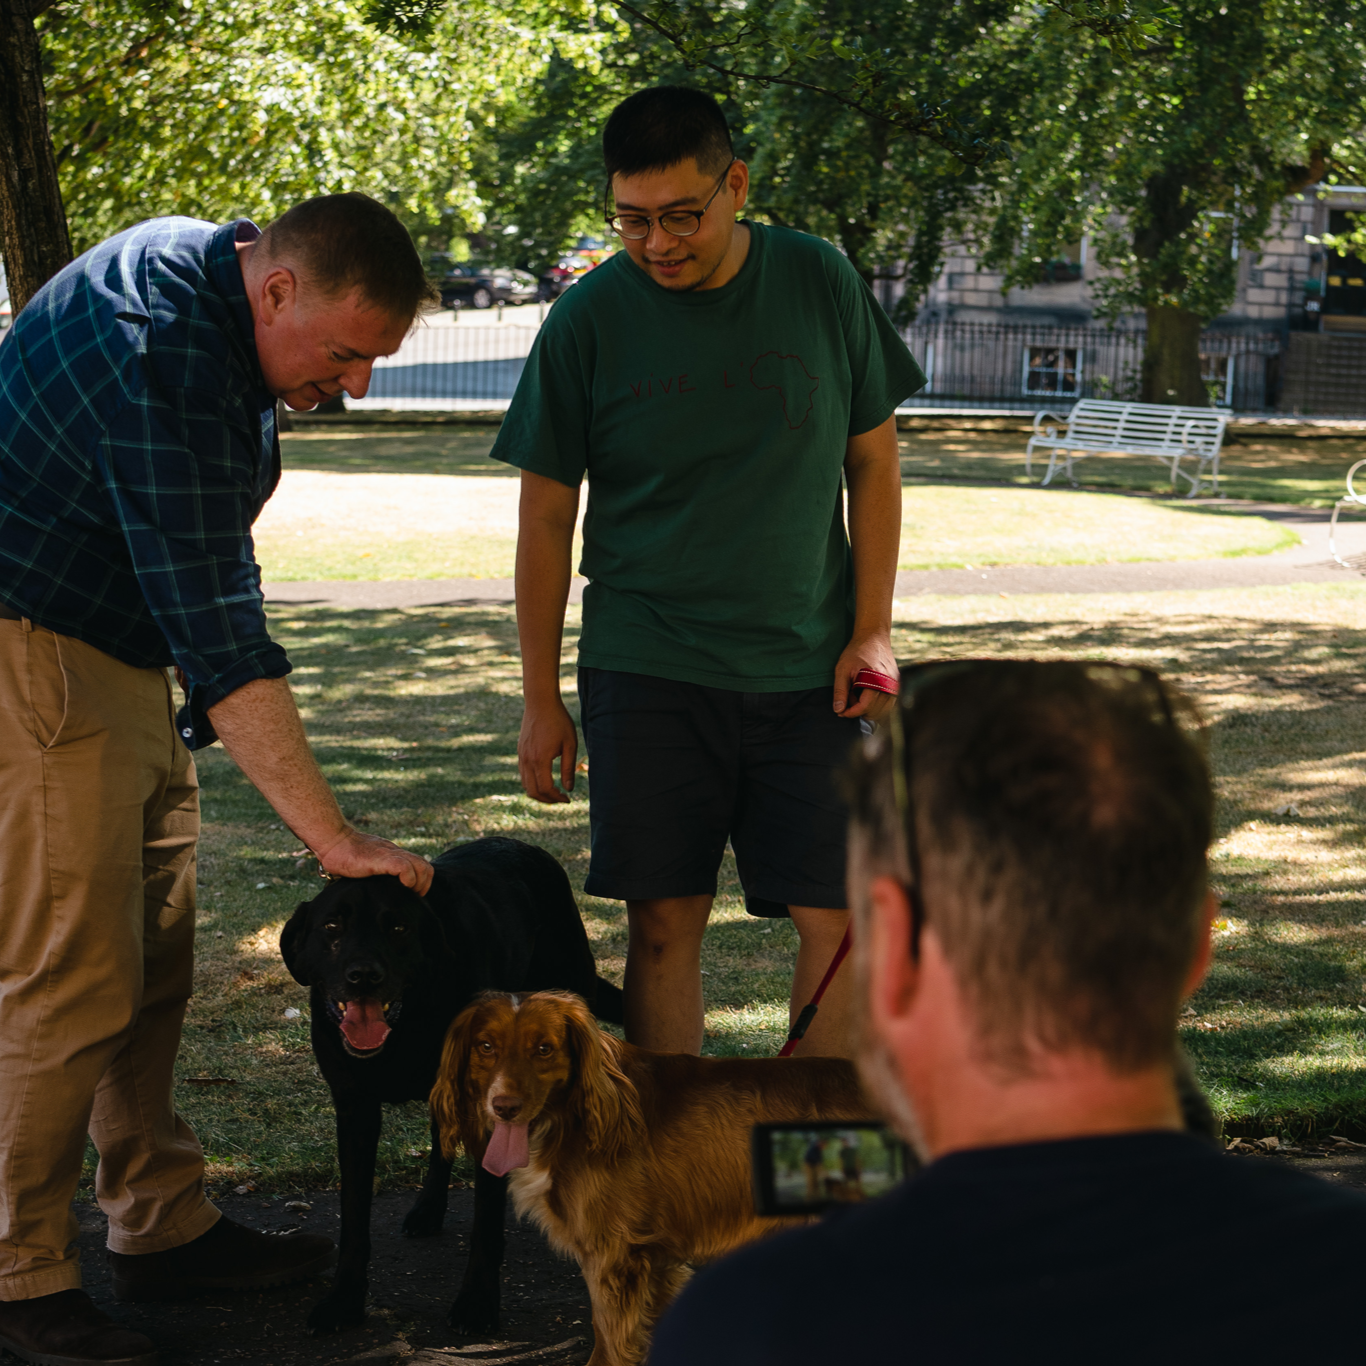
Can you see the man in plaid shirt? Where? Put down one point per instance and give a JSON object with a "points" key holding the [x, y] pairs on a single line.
{"points": [[137, 446]]}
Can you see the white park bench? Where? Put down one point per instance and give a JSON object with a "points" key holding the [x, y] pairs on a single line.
{"points": [[1097, 427], [1351, 499]]}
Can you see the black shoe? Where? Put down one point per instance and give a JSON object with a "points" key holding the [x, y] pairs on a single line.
{"points": [[66, 1329], [227, 1257]]}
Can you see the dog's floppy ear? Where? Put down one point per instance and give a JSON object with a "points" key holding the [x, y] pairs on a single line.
{"points": [[454, 1110], [292, 939], [604, 1098]]}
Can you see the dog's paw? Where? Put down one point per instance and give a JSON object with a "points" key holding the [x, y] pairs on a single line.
{"points": [[424, 1220], [472, 1316], [336, 1311]]}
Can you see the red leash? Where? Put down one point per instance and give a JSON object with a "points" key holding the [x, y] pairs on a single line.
{"points": [[879, 682], [803, 1022]]}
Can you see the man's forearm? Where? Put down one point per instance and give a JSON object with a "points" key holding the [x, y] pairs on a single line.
{"points": [[260, 728], [544, 554], [873, 474]]}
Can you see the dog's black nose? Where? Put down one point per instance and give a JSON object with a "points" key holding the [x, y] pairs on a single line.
{"points": [[364, 975], [508, 1108]]}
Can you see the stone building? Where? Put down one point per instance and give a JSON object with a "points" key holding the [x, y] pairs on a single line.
{"points": [[1294, 338]]}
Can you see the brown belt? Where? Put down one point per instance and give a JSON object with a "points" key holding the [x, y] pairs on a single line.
{"points": [[9, 614]]}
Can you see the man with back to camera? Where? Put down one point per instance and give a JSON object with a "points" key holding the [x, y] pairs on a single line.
{"points": [[1028, 878], [137, 446], [714, 380]]}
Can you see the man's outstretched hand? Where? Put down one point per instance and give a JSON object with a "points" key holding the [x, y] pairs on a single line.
{"points": [[359, 855]]}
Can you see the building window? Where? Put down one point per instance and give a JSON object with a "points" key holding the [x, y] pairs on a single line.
{"points": [[1069, 264], [1052, 370], [1217, 373], [1346, 291]]}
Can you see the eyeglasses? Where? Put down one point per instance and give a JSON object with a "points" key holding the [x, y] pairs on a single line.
{"points": [[676, 222], [916, 681]]}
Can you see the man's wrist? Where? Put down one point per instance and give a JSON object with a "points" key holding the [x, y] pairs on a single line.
{"points": [[543, 698], [323, 844]]}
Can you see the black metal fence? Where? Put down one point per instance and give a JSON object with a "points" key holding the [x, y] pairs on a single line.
{"points": [[466, 363], [1010, 366], [979, 365]]}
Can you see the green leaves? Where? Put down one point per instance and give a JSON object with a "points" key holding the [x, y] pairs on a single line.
{"points": [[229, 107]]}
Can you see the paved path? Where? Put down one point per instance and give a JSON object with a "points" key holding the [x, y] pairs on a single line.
{"points": [[546, 1316], [1305, 563]]}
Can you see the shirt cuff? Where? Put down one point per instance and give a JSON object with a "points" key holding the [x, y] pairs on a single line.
{"points": [[268, 662]]}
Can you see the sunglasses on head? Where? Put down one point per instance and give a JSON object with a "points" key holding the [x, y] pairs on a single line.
{"points": [[919, 679]]}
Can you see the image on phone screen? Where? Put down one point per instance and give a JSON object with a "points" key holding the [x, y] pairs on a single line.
{"points": [[805, 1168]]}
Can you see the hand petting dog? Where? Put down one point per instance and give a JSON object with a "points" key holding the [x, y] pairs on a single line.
{"points": [[389, 971]]}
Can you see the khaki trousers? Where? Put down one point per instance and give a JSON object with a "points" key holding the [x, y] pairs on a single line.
{"points": [[99, 812]]}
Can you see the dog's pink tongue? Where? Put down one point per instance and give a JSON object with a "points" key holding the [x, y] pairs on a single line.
{"points": [[508, 1148], [363, 1024]]}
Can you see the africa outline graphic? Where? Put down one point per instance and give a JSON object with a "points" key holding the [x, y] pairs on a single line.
{"points": [[794, 387]]}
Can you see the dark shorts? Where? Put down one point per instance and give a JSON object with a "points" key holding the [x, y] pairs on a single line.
{"points": [[676, 769]]}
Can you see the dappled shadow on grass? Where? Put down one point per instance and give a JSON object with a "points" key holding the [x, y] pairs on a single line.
{"points": [[1299, 1071], [414, 716], [1280, 1028]]}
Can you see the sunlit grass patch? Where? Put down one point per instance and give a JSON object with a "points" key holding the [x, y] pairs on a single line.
{"points": [[322, 526], [1309, 470], [953, 527]]}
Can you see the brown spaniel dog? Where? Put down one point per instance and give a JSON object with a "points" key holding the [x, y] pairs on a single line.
{"points": [[634, 1163]]}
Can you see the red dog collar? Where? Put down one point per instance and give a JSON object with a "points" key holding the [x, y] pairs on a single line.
{"points": [[870, 678]]}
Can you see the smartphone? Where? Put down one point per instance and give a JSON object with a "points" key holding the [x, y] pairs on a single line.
{"points": [[806, 1167]]}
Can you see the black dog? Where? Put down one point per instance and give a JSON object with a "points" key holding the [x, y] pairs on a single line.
{"points": [[389, 971]]}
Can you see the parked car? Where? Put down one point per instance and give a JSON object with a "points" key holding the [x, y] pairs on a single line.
{"points": [[565, 272], [594, 250], [469, 286]]}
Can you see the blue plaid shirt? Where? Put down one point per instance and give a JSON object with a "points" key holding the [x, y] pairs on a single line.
{"points": [[137, 446]]}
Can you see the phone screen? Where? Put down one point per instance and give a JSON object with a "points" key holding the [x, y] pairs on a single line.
{"points": [[805, 1168]]}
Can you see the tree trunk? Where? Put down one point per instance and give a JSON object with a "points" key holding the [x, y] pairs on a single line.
{"points": [[33, 232], [1171, 358]]}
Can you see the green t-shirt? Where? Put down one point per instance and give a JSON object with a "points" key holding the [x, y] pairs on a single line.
{"points": [[712, 425]]}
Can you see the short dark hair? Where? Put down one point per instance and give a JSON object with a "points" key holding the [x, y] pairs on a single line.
{"points": [[1062, 813], [662, 126], [350, 241]]}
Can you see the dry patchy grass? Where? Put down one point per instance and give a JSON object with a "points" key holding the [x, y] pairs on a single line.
{"points": [[364, 521], [414, 716]]}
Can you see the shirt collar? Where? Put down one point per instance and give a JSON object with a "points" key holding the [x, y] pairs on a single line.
{"points": [[222, 268]]}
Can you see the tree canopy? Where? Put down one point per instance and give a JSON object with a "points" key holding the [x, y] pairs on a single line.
{"points": [[1167, 135], [1167, 130], [247, 106]]}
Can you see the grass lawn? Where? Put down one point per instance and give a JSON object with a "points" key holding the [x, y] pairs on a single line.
{"points": [[430, 505], [414, 716], [1276, 470], [1273, 470]]}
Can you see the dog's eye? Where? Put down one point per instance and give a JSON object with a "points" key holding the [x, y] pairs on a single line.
{"points": [[398, 929], [544, 1050], [331, 927], [484, 1046]]}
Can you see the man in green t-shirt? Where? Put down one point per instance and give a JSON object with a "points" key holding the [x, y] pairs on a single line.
{"points": [[718, 382]]}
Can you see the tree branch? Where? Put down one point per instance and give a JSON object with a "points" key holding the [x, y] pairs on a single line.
{"points": [[933, 123]]}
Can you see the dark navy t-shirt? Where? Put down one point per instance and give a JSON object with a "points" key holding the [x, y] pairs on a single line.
{"points": [[1146, 1248]]}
